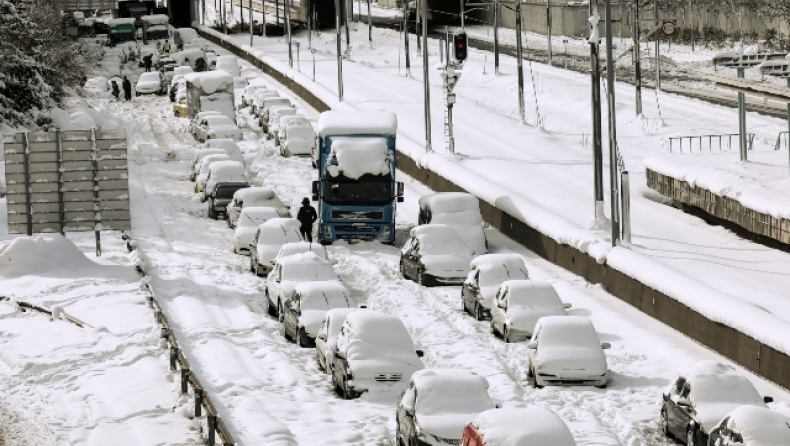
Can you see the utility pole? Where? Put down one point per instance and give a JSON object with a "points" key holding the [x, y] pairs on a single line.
{"points": [[612, 126], [637, 54], [203, 11], [224, 8], [658, 44], [370, 25], [496, 36], [548, 29], [252, 28], [742, 120], [520, 63], [339, 55], [406, 36], [241, 13], [462, 14], [348, 22], [426, 82], [595, 71], [287, 6]]}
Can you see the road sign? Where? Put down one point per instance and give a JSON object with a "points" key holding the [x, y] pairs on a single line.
{"points": [[669, 28]]}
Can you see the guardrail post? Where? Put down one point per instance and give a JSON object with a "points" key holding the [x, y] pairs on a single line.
{"points": [[212, 426], [184, 381], [173, 358], [625, 203], [164, 332], [198, 401]]}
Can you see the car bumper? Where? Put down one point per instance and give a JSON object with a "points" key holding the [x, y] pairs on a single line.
{"points": [[553, 380]]}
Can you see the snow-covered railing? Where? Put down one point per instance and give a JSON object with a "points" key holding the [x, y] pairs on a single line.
{"points": [[214, 424], [55, 313]]}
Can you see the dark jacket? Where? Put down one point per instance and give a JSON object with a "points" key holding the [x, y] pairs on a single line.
{"points": [[307, 215], [127, 86]]}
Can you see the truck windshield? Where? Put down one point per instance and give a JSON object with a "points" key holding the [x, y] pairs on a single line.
{"points": [[368, 190], [226, 192]]}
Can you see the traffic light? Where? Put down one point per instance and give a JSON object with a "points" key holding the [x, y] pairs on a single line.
{"points": [[459, 46]]}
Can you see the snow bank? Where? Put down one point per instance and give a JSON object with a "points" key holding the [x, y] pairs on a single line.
{"points": [[450, 202], [35, 255], [210, 81], [523, 427], [756, 423], [360, 156], [357, 123]]}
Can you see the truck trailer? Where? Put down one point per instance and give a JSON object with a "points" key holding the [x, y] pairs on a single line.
{"points": [[210, 90]]}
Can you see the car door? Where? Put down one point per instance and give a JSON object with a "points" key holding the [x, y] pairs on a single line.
{"points": [[321, 341], [678, 414], [234, 210], [406, 258], [254, 249], [499, 310], [292, 311], [405, 413], [472, 289], [273, 284]]}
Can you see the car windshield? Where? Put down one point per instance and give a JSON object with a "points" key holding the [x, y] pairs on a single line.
{"points": [[708, 389], [252, 220], [498, 274], [325, 300], [368, 190], [534, 297], [228, 191], [308, 272], [436, 246]]}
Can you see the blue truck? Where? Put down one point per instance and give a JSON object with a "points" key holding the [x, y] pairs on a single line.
{"points": [[356, 189]]}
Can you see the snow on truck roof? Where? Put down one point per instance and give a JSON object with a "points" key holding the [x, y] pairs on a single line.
{"points": [[369, 122], [360, 156], [449, 202], [210, 81], [122, 21], [156, 19], [526, 426]]}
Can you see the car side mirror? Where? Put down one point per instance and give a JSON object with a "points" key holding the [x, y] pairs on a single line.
{"points": [[606, 346], [567, 306], [497, 406], [768, 399], [532, 345], [420, 353]]}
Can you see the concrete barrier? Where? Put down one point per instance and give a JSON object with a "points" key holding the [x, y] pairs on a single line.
{"points": [[746, 351]]}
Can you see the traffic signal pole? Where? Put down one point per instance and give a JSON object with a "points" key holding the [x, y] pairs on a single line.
{"points": [[613, 180], [595, 71], [426, 80]]}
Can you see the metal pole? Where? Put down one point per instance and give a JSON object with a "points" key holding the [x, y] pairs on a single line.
{"points": [[742, 120], [312, 50], [287, 7], [788, 122], [28, 186], [309, 35], [520, 63], [406, 37], [339, 55], [496, 37], [625, 199], [548, 29], [462, 14], [203, 9], [298, 60], [224, 9], [595, 71], [637, 60], [425, 81], [241, 13], [658, 47], [612, 125], [252, 28], [348, 31], [277, 11], [370, 25]]}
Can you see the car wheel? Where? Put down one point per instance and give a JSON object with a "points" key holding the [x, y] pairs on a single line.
{"points": [[280, 315], [211, 214], [421, 279], [321, 366], [258, 270], [665, 424], [313, 163], [300, 338], [534, 379], [402, 270], [253, 266], [492, 327], [691, 439], [505, 335], [479, 315], [347, 393]]}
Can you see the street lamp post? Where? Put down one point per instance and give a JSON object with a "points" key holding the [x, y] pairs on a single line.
{"points": [[595, 72], [339, 54], [612, 127], [425, 62], [519, 63], [287, 7]]}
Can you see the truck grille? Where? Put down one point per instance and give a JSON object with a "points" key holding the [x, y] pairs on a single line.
{"points": [[388, 377], [349, 228], [358, 215]]}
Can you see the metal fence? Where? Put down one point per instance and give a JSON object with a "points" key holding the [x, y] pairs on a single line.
{"points": [[709, 142]]}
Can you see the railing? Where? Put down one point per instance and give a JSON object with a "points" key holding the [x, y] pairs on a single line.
{"points": [[724, 142], [778, 144], [179, 362], [55, 313]]}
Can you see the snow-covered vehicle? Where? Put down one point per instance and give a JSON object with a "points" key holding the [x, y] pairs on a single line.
{"points": [[217, 126], [518, 306], [202, 153], [275, 113], [229, 146], [195, 58], [211, 90], [229, 64], [486, 274], [373, 352], [459, 210], [203, 169], [526, 426], [435, 255], [438, 404], [248, 94], [266, 98], [565, 351], [291, 271], [155, 27], [249, 220], [306, 307], [751, 426], [144, 51], [225, 172], [178, 75], [699, 399], [296, 136], [293, 248], [220, 195], [167, 71], [327, 337], [121, 30], [183, 36], [195, 122], [149, 83], [269, 239], [266, 105], [258, 196]]}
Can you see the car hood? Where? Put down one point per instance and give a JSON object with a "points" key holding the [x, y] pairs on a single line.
{"points": [[245, 234], [525, 318], [446, 265], [571, 361], [449, 426], [311, 321]]}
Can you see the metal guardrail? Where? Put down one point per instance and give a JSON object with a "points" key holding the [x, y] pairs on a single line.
{"points": [[40, 309], [178, 361], [724, 142], [778, 144]]}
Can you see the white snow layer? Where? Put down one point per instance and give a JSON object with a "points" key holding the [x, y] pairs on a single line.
{"points": [[360, 156], [371, 122], [210, 81]]}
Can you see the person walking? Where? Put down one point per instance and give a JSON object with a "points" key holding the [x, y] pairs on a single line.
{"points": [[115, 90], [166, 47], [307, 216], [148, 61], [127, 89]]}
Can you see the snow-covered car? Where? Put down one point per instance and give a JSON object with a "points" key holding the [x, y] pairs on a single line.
{"points": [[438, 404], [373, 352], [327, 337], [700, 398], [565, 350], [435, 255], [219, 195], [203, 169], [751, 426], [291, 271], [149, 83], [266, 106], [459, 210], [306, 307], [228, 63], [296, 136], [486, 274], [195, 122], [228, 171], [202, 153], [178, 78], [211, 59], [268, 239], [249, 92], [275, 114], [293, 248], [229, 146], [518, 306], [284, 121], [259, 100], [512, 426], [259, 196], [167, 71], [247, 226], [217, 126], [145, 51]]}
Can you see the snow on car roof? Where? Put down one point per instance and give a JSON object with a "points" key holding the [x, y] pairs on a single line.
{"points": [[459, 218], [182, 70], [317, 289], [206, 152], [760, 426], [211, 159], [446, 202], [360, 156], [526, 426], [532, 292], [223, 143], [380, 329], [251, 193], [287, 223], [567, 331], [227, 167], [435, 235], [438, 391], [210, 81], [292, 248], [709, 377], [368, 122], [510, 261], [304, 258]]}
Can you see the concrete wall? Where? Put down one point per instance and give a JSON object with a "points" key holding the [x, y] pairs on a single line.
{"points": [[760, 359]]}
